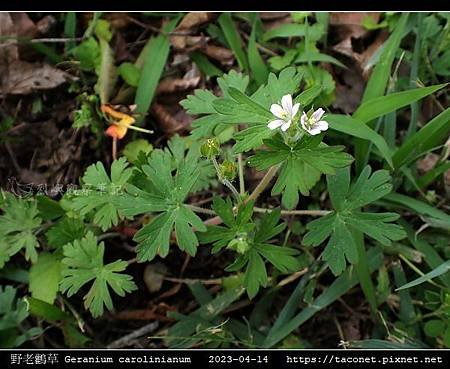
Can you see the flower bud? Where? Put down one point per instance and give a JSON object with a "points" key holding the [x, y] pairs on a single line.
{"points": [[210, 148], [239, 244], [228, 170]]}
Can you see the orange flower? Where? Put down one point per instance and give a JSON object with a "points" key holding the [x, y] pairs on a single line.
{"points": [[118, 129]]}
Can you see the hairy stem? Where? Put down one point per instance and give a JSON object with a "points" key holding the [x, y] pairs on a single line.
{"points": [[114, 148], [317, 213], [263, 184], [241, 175], [201, 210]]}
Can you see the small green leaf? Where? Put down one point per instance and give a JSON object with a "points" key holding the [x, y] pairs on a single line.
{"points": [[241, 231], [255, 275], [88, 54], [314, 31], [434, 328], [164, 192], [130, 73], [134, 148], [45, 276], [12, 313]]}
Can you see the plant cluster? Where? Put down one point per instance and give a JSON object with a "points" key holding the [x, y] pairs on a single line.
{"points": [[278, 125]]}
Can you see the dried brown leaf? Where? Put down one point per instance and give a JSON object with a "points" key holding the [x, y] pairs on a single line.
{"points": [[428, 162], [221, 54], [19, 77], [194, 19], [168, 122], [23, 25], [182, 36], [23, 78], [154, 276], [169, 85], [273, 15]]}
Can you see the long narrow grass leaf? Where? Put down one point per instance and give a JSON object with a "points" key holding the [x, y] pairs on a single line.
{"points": [[432, 134], [156, 54], [382, 105]]}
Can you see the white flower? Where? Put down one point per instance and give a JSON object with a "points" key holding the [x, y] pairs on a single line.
{"points": [[313, 125], [284, 112]]}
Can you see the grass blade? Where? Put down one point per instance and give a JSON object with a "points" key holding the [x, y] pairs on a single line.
{"points": [[419, 207], [294, 30], [431, 175], [436, 272], [317, 57], [154, 60], [339, 287], [428, 137], [353, 127], [205, 66], [107, 74], [258, 67], [291, 305], [382, 105], [407, 312], [430, 255], [414, 74], [70, 27], [376, 344], [363, 271], [234, 40], [377, 84]]}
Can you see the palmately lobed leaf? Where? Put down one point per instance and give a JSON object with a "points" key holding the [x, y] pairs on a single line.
{"points": [[64, 231], [18, 224], [154, 238], [300, 166], [101, 194], [339, 225], [240, 228], [369, 188], [202, 103], [83, 262], [167, 179]]}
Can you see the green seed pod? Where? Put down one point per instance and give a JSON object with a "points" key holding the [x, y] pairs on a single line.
{"points": [[210, 148], [228, 170]]}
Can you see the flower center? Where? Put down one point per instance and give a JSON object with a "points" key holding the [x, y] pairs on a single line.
{"points": [[284, 114], [310, 122]]}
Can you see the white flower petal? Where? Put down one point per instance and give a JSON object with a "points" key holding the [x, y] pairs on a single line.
{"points": [[322, 125], [277, 110], [286, 126], [303, 119], [295, 110], [318, 114], [276, 123], [314, 131], [286, 103]]}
